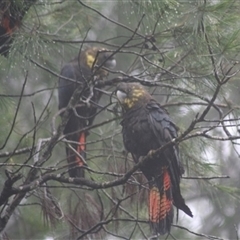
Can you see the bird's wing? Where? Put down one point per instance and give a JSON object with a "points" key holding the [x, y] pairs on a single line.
{"points": [[165, 130], [66, 87]]}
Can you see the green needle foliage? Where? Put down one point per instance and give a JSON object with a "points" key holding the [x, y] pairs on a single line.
{"points": [[186, 53]]}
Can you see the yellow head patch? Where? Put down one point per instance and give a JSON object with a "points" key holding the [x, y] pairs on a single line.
{"points": [[90, 59], [135, 96], [91, 54], [131, 94], [96, 57]]}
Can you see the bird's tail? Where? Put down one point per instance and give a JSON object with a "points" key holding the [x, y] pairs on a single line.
{"points": [[77, 161], [161, 204], [180, 203]]}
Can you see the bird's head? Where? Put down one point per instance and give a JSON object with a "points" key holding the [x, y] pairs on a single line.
{"points": [[96, 58], [131, 95]]}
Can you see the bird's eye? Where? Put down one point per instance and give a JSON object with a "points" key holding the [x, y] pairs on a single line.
{"points": [[121, 95], [103, 55]]}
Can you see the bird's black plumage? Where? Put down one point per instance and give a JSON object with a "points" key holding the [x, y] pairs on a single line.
{"points": [[147, 126], [81, 73]]}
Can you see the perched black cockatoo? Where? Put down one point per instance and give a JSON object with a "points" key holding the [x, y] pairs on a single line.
{"points": [[84, 71], [147, 126], [11, 15]]}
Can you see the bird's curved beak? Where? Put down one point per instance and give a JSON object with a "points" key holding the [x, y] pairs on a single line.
{"points": [[111, 63], [121, 96]]}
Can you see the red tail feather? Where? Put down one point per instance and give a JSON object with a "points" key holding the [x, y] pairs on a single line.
{"points": [[75, 161], [161, 205], [81, 149], [154, 205]]}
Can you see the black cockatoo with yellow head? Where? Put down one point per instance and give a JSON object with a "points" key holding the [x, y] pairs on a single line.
{"points": [[147, 126], [81, 73]]}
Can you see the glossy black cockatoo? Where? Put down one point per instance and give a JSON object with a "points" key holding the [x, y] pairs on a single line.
{"points": [[84, 71], [147, 126]]}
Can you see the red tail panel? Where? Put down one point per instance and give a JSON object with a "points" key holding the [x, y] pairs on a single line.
{"points": [[161, 205], [81, 148], [6, 25], [154, 205], [167, 201]]}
